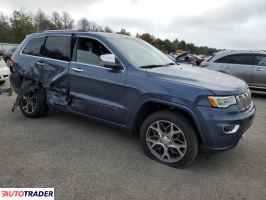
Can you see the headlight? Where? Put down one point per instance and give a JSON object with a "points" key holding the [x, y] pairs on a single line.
{"points": [[222, 102]]}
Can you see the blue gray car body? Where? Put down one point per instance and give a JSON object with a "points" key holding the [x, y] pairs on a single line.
{"points": [[122, 96]]}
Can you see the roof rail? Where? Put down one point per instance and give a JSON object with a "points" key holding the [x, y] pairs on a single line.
{"points": [[252, 50], [61, 30], [82, 30]]}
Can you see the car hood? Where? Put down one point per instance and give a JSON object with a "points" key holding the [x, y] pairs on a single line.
{"points": [[217, 82]]}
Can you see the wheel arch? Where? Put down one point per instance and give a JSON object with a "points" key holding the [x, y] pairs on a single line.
{"points": [[151, 106]]}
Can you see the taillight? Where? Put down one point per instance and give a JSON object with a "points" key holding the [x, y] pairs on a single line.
{"points": [[11, 61]]}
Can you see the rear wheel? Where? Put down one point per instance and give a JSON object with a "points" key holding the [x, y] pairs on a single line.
{"points": [[33, 104], [169, 138]]}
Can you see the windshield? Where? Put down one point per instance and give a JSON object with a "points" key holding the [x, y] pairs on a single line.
{"points": [[140, 53]]}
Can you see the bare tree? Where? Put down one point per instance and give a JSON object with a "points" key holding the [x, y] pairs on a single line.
{"points": [[123, 32], [42, 21], [99, 29], [94, 26], [108, 29], [56, 20], [84, 23], [68, 22]]}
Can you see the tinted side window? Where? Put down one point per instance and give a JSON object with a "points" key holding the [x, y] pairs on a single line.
{"points": [[34, 47], [89, 51], [57, 47], [236, 59], [260, 60]]}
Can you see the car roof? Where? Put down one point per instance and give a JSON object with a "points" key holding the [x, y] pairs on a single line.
{"points": [[223, 53], [241, 51]]}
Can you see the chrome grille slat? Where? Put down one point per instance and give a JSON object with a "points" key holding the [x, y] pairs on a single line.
{"points": [[244, 101]]}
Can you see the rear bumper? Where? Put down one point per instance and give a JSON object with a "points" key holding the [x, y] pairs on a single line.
{"points": [[4, 73], [213, 122]]}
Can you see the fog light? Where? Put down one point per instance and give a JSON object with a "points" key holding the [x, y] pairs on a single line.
{"points": [[229, 129]]}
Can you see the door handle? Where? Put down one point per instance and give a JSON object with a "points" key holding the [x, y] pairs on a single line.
{"points": [[77, 69], [259, 69], [227, 67], [40, 63]]}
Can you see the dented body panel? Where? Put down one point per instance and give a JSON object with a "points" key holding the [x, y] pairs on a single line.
{"points": [[51, 73]]}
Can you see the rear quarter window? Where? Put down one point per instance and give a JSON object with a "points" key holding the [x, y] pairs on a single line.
{"points": [[209, 58], [58, 47], [34, 47]]}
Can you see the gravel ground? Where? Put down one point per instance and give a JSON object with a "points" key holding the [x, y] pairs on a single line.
{"points": [[84, 159]]}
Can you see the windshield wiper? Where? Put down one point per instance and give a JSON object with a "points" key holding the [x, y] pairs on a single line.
{"points": [[154, 66], [171, 63], [150, 66]]}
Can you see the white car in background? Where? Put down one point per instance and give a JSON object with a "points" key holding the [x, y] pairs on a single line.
{"points": [[4, 72]]}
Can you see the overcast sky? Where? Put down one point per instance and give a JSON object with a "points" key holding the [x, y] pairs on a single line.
{"points": [[230, 24]]}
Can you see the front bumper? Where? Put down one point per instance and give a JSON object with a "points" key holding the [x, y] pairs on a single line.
{"points": [[213, 121]]}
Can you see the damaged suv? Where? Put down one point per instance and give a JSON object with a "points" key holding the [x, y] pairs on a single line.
{"points": [[124, 81]]}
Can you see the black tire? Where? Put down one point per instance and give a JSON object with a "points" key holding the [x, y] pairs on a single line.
{"points": [[40, 109], [188, 132], [2, 82]]}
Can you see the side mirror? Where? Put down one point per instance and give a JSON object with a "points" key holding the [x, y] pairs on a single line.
{"points": [[109, 61]]}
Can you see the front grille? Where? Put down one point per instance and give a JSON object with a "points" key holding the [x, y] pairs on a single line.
{"points": [[244, 101]]}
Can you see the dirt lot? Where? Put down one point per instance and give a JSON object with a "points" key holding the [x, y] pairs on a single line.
{"points": [[84, 159]]}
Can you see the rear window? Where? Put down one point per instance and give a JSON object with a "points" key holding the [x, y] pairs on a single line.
{"points": [[34, 47], [58, 47], [209, 58], [243, 59]]}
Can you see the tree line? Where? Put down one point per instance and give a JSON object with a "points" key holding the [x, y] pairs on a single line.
{"points": [[14, 28]]}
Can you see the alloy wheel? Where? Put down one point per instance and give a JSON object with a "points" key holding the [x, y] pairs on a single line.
{"points": [[166, 141], [29, 102]]}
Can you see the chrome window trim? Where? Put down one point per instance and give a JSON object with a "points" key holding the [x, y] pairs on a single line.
{"points": [[90, 37], [98, 66], [42, 57]]}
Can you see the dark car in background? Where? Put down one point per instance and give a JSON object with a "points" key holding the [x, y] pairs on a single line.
{"points": [[184, 58], [124, 81], [187, 58]]}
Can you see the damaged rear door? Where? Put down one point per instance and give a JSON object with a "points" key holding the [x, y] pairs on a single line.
{"points": [[44, 62], [52, 69]]}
